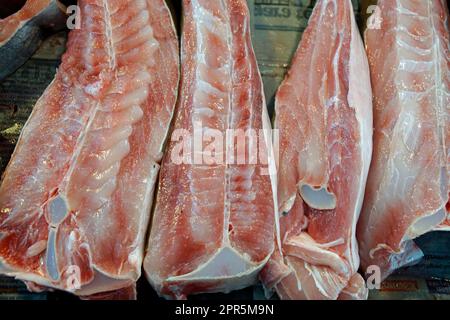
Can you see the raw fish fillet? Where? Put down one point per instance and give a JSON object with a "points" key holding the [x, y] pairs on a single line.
{"points": [[408, 186], [213, 224], [75, 198], [324, 116], [22, 32]]}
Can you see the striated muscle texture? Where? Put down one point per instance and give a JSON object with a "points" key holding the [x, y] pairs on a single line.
{"points": [[76, 195], [324, 116], [408, 186], [213, 223]]}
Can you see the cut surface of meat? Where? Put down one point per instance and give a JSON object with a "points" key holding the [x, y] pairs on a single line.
{"points": [[75, 198], [22, 32], [213, 222], [408, 186], [323, 113]]}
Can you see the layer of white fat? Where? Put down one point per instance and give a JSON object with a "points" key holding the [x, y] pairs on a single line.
{"points": [[227, 262], [360, 98], [237, 271]]}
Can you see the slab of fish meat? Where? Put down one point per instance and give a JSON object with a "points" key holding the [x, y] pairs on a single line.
{"points": [[408, 186], [323, 113], [22, 32], [75, 198], [213, 224]]}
